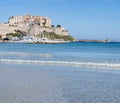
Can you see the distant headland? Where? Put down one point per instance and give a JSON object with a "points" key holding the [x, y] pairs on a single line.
{"points": [[32, 28], [90, 40], [36, 29]]}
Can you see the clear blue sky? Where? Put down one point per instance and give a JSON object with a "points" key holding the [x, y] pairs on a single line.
{"points": [[85, 19]]}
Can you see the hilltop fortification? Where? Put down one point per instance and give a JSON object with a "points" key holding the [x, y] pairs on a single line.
{"points": [[31, 26]]}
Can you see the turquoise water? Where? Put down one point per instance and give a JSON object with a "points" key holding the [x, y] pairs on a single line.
{"points": [[75, 52], [60, 73]]}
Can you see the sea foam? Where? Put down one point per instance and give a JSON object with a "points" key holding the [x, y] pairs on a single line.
{"points": [[116, 65]]}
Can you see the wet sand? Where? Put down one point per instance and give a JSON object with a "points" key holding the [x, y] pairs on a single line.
{"points": [[25, 83], [22, 85]]}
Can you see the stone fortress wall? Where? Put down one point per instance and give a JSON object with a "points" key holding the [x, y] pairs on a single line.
{"points": [[32, 25]]}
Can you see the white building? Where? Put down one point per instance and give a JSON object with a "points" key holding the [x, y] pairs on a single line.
{"points": [[32, 25], [20, 20], [16, 20]]}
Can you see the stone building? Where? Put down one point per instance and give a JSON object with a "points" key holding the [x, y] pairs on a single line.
{"points": [[21, 20], [32, 25], [16, 21], [61, 31], [4, 29]]}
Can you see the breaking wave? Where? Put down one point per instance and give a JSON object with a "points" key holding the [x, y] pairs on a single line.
{"points": [[116, 65]]}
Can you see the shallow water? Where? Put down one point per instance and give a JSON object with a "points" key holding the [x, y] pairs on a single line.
{"points": [[77, 52], [60, 73], [24, 83]]}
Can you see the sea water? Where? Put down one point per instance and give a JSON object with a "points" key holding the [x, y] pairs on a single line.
{"points": [[60, 73]]}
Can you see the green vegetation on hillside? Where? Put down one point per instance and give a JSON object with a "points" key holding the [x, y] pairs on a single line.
{"points": [[0, 37], [59, 26], [18, 33], [44, 34], [54, 36], [13, 35]]}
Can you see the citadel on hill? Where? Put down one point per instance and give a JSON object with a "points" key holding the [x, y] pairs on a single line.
{"points": [[29, 25]]}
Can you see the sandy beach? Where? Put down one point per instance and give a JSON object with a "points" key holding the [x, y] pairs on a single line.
{"points": [[21, 83]]}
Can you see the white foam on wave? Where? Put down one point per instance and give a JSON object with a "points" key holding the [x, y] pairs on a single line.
{"points": [[117, 65]]}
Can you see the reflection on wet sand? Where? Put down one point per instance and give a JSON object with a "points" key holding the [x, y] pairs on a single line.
{"points": [[29, 86]]}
